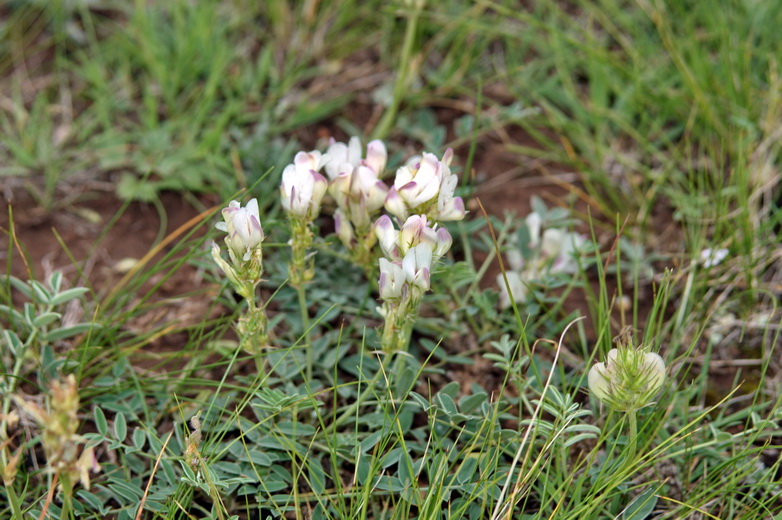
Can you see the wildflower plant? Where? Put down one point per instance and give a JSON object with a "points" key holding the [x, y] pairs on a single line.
{"points": [[245, 269], [628, 380], [542, 251]]}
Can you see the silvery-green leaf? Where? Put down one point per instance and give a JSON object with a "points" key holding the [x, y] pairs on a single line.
{"points": [[100, 422], [19, 285], [120, 427], [641, 506], [47, 318], [41, 293], [67, 295]]}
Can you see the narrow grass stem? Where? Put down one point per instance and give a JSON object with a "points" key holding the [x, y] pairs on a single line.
{"points": [[351, 409], [402, 77]]}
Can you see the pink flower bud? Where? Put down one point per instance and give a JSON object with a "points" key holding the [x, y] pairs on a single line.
{"points": [[395, 204], [444, 242], [376, 156], [343, 228], [387, 236]]}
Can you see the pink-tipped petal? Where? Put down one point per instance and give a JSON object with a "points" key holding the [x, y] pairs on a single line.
{"points": [[447, 157], [376, 156], [444, 241], [453, 209], [395, 204]]}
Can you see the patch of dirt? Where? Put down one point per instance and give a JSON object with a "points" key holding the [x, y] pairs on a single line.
{"points": [[97, 239]]}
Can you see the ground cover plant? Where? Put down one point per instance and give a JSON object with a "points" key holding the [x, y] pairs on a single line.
{"points": [[342, 259]]}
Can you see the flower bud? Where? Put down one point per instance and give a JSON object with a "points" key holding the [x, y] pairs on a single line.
{"points": [[419, 182], [628, 380], [371, 189], [343, 228], [425, 185], [302, 190], [552, 242], [411, 231], [376, 156], [444, 242], [452, 209], [566, 262], [416, 231], [387, 236], [417, 264], [534, 223], [355, 185], [243, 225], [392, 280], [307, 161], [395, 204]]}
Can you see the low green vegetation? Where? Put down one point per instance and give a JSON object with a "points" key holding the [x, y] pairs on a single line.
{"points": [[378, 333]]}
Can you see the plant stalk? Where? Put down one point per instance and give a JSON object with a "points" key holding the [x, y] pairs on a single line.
{"points": [[633, 435]]}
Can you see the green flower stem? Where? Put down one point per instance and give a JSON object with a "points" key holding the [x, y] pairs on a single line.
{"points": [[633, 434], [11, 380], [16, 506], [305, 323], [362, 253], [388, 340], [254, 337], [398, 325], [67, 495], [300, 271]]}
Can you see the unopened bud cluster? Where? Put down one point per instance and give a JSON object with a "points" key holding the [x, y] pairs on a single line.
{"points": [[629, 379]]}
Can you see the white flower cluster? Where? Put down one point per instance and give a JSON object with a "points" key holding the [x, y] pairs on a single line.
{"points": [[245, 235], [421, 197], [302, 187], [552, 251], [410, 254], [355, 185], [243, 225], [425, 186]]}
